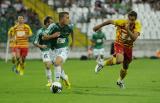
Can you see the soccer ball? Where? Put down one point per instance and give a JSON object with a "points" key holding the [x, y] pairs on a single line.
{"points": [[56, 87]]}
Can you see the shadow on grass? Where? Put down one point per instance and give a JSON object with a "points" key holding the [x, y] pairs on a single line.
{"points": [[101, 91]]}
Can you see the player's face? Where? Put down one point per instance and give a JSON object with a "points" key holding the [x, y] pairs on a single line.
{"points": [[21, 19], [49, 22], [66, 19], [131, 19]]}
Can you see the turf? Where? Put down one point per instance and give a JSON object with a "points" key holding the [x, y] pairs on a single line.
{"points": [[143, 83]]}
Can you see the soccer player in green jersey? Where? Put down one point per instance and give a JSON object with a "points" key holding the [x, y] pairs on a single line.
{"points": [[98, 39], [45, 48], [61, 44]]}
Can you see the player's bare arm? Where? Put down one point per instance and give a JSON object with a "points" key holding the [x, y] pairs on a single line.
{"points": [[48, 37], [103, 24]]}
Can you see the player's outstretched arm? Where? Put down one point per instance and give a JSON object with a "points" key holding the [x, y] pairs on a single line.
{"points": [[103, 24], [48, 37]]}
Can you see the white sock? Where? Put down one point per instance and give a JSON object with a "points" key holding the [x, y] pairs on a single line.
{"points": [[49, 74], [63, 75], [57, 73]]}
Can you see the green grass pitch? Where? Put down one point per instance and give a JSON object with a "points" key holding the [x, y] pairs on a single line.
{"points": [[142, 82]]}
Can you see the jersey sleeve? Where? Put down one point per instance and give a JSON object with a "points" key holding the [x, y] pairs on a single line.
{"points": [[138, 27], [104, 36], [29, 30], [10, 31], [71, 27], [119, 22], [37, 37]]}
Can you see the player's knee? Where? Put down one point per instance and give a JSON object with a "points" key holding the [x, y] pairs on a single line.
{"points": [[102, 56], [96, 56], [47, 65], [124, 70], [119, 59], [58, 61], [125, 66]]}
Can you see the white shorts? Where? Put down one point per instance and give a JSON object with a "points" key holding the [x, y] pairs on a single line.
{"points": [[46, 57], [97, 52], [62, 52]]}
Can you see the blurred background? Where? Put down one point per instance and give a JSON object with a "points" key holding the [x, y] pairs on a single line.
{"points": [[84, 14]]}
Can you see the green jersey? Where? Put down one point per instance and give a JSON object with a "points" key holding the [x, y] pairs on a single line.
{"points": [[63, 39], [38, 39], [98, 38]]}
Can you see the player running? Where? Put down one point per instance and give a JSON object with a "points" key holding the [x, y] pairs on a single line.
{"points": [[44, 46], [61, 43], [127, 32], [98, 40], [22, 32]]}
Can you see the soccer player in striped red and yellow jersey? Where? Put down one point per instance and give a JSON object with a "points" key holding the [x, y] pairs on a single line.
{"points": [[127, 32], [22, 33]]}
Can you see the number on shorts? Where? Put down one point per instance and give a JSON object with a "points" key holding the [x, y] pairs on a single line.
{"points": [[45, 56]]}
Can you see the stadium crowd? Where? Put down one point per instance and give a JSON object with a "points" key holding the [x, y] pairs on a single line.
{"points": [[155, 4], [10, 10]]}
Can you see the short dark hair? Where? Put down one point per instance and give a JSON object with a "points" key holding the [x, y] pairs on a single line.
{"points": [[46, 19], [61, 14], [132, 13]]}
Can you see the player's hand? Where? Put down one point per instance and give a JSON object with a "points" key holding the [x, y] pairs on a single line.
{"points": [[45, 37], [43, 46], [127, 26], [56, 34]]}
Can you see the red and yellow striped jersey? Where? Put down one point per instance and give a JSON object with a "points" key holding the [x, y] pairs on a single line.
{"points": [[121, 33], [21, 31]]}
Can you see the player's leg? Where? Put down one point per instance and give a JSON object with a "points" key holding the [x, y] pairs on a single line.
{"points": [[14, 60], [23, 54], [63, 75], [21, 65], [100, 57], [122, 75], [123, 71], [47, 62], [65, 79], [95, 54], [62, 55], [101, 54], [117, 58], [48, 73], [18, 60], [57, 64]]}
